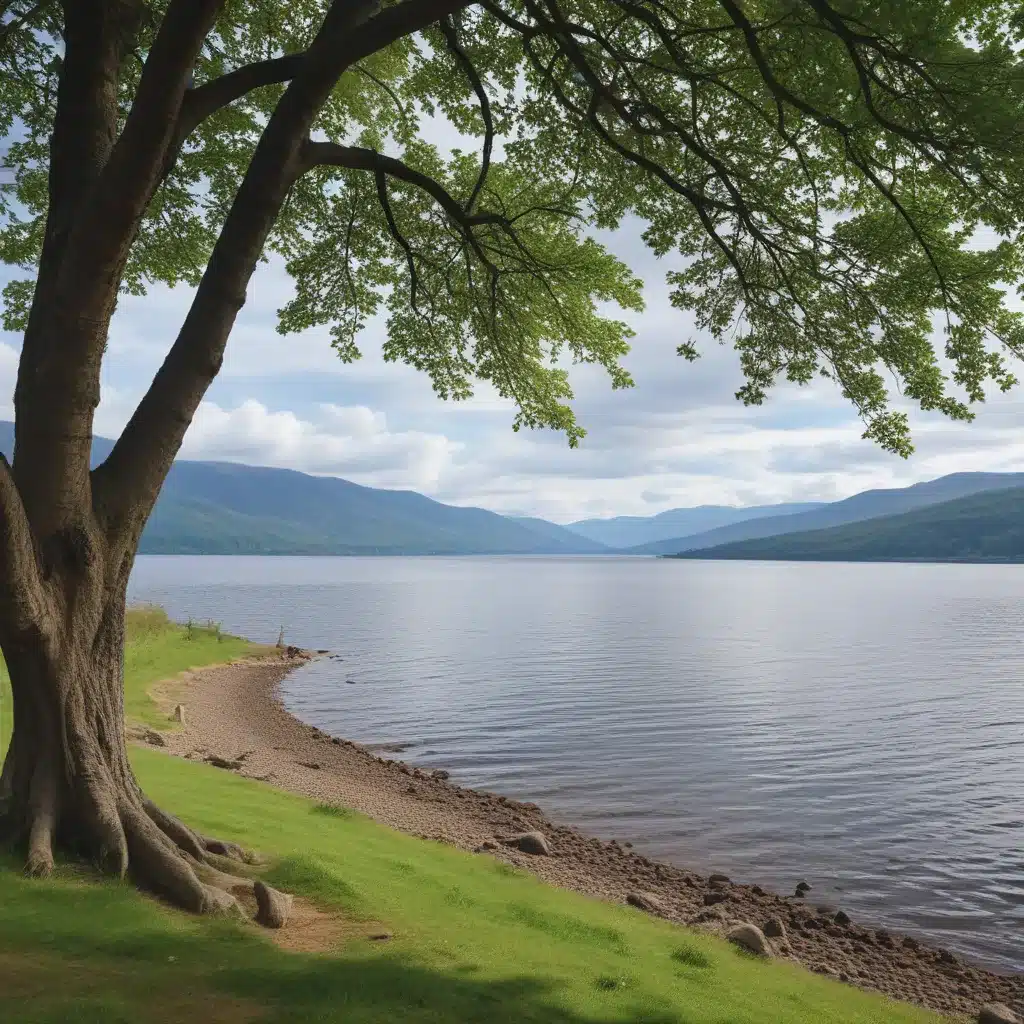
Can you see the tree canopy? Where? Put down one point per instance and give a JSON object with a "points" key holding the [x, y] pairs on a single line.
{"points": [[825, 167]]}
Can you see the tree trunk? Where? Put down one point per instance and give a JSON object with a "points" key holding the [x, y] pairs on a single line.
{"points": [[66, 779]]}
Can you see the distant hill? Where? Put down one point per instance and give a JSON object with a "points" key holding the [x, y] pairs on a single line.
{"points": [[635, 531], [226, 508], [984, 527], [866, 505], [561, 535]]}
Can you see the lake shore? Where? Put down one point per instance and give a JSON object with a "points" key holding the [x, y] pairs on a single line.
{"points": [[232, 713]]}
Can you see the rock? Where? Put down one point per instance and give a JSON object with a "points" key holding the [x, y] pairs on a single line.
{"points": [[487, 845], [774, 928], [154, 738], [440, 774], [179, 714], [645, 901], [223, 762], [997, 1013], [841, 917], [711, 898], [749, 937], [380, 937], [530, 842], [717, 877], [802, 888], [309, 764], [911, 943], [272, 907], [711, 918]]}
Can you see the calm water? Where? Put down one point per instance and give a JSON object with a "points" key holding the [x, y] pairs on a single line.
{"points": [[860, 726]]}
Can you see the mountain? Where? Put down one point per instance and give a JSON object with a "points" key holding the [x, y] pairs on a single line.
{"points": [[984, 527], [866, 505], [226, 508], [562, 535], [635, 531]]}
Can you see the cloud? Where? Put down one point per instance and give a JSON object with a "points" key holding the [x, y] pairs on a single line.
{"points": [[353, 442], [678, 438]]}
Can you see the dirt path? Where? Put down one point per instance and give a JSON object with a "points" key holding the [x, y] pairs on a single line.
{"points": [[232, 712]]}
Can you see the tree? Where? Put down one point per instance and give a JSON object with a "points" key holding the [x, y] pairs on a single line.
{"points": [[827, 168]]}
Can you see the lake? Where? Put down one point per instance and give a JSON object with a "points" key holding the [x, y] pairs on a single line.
{"points": [[860, 726]]}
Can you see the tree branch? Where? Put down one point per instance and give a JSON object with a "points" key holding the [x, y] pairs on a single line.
{"points": [[19, 21], [51, 457], [452, 39], [212, 96], [104, 232], [126, 485], [358, 158]]}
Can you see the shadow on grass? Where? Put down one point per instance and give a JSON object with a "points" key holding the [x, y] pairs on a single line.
{"points": [[84, 951]]}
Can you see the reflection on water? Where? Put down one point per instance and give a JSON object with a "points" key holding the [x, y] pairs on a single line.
{"points": [[860, 725]]}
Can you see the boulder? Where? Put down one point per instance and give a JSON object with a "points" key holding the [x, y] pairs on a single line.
{"points": [[179, 714], [715, 896], [155, 739], [749, 937], [841, 917], [272, 907], [645, 901], [717, 878], [802, 888], [774, 928], [997, 1013], [530, 842]]}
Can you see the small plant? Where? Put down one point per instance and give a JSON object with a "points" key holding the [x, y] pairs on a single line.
{"points": [[334, 811], [215, 629], [610, 984], [691, 957], [189, 629]]}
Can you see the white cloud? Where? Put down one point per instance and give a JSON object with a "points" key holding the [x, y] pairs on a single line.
{"points": [[353, 442]]}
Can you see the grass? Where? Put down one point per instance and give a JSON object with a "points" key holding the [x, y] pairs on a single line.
{"points": [[473, 939]]}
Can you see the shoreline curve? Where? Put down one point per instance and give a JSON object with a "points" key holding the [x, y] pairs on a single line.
{"points": [[233, 713]]}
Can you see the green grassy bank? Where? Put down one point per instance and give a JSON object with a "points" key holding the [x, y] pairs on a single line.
{"points": [[473, 940]]}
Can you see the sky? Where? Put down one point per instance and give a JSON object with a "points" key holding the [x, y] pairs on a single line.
{"points": [[678, 438]]}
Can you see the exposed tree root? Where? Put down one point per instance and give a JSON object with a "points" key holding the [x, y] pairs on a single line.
{"points": [[159, 852]]}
